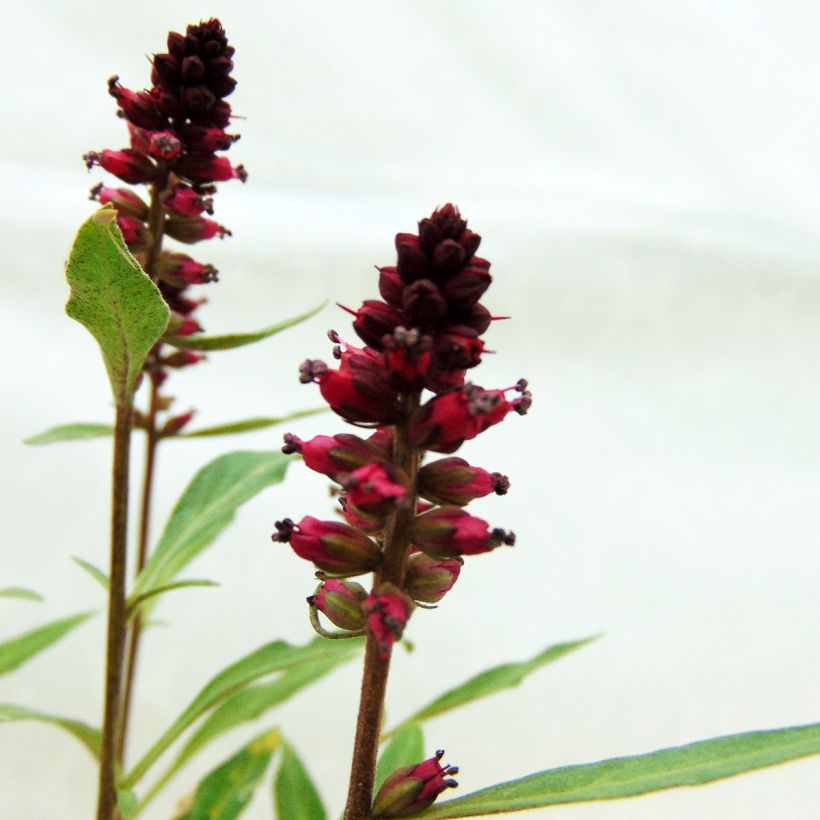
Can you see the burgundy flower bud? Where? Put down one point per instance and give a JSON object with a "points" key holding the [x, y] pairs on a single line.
{"points": [[423, 303], [192, 229], [200, 168], [374, 320], [412, 262], [164, 145], [454, 481], [448, 532], [391, 286], [341, 602], [443, 381], [189, 202], [448, 257], [181, 269], [176, 423], [374, 488], [409, 356], [206, 140], [475, 316], [134, 232], [193, 69], [129, 165], [334, 456], [136, 106], [458, 349], [411, 789], [180, 325], [388, 609], [220, 115], [197, 100], [166, 72], [468, 285], [165, 102], [124, 200], [371, 523], [429, 579], [182, 358], [382, 440], [446, 421], [330, 545]]}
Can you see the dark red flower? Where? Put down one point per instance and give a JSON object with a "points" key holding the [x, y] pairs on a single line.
{"points": [[342, 603], [454, 481], [410, 790], [448, 532], [388, 609]]}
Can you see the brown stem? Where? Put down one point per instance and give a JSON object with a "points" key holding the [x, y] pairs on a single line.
{"points": [[115, 643], [376, 667], [156, 229], [152, 440]]}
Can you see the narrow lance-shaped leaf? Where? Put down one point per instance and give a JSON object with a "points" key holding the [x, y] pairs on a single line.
{"points": [[78, 431], [273, 657], [95, 572], [690, 765], [231, 340], [87, 735], [21, 593], [492, 680], [405, 749], [249, 425], [135, 601], [294, 794], [115, 300], [225, 793], [207, 506], [16, 651]]}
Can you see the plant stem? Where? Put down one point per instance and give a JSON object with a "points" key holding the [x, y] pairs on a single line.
{"points": [[376, 667], [156, 229], [152, 440], [115, 643]]}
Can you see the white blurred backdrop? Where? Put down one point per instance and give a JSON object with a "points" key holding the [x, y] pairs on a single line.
{"points": [[645, 178]]}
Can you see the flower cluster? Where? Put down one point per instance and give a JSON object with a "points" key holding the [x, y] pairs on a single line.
{"points": [[425, 334], [176, 129]]}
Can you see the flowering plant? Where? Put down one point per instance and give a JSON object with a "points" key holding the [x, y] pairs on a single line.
{"points": [[402, 492]]}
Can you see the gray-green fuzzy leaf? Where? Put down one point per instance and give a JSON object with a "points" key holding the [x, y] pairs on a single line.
{"points": [[78, 431], [295, 796], [16, 651], [87, 735], [226, 792], [690, 765], [405, 749], [277, 656], [492, 680], [207, 506], [115, 300], [231, 340]]}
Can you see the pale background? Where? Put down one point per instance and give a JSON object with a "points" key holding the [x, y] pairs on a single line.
{"points": [[645, 176]]}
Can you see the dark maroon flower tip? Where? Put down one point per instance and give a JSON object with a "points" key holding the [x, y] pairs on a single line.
{"points": [[311, 369], [284, 531], [501, 484]]}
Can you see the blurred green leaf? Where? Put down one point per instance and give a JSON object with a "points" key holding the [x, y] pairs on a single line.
{"points": [[135, 601], [252, 702], [294, 794], [16, 651], [207, 506], [225, 793], [87, 735], [95, 572], [232, 340], [249, 425], [277, 656], [112, 297], [405, 749], [70, 432], [690, 765], [492, 680], [127, 803], [20, 592]]}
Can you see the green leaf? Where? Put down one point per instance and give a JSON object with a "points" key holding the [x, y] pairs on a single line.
{"points": [[128, 804], [294, 794], [225, 793], [232, 340], [19, 592], [95, 572], [252, 702], [689, 765], [71, 432], [135, 601], [249, 425], [405, 749], [277, 656], [16, 651], [492, 680], [87, 735], [207, 506], [114, 299]]}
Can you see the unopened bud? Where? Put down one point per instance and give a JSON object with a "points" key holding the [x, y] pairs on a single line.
{"points": [[341, 602], [429, 579], [412, 789]]}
